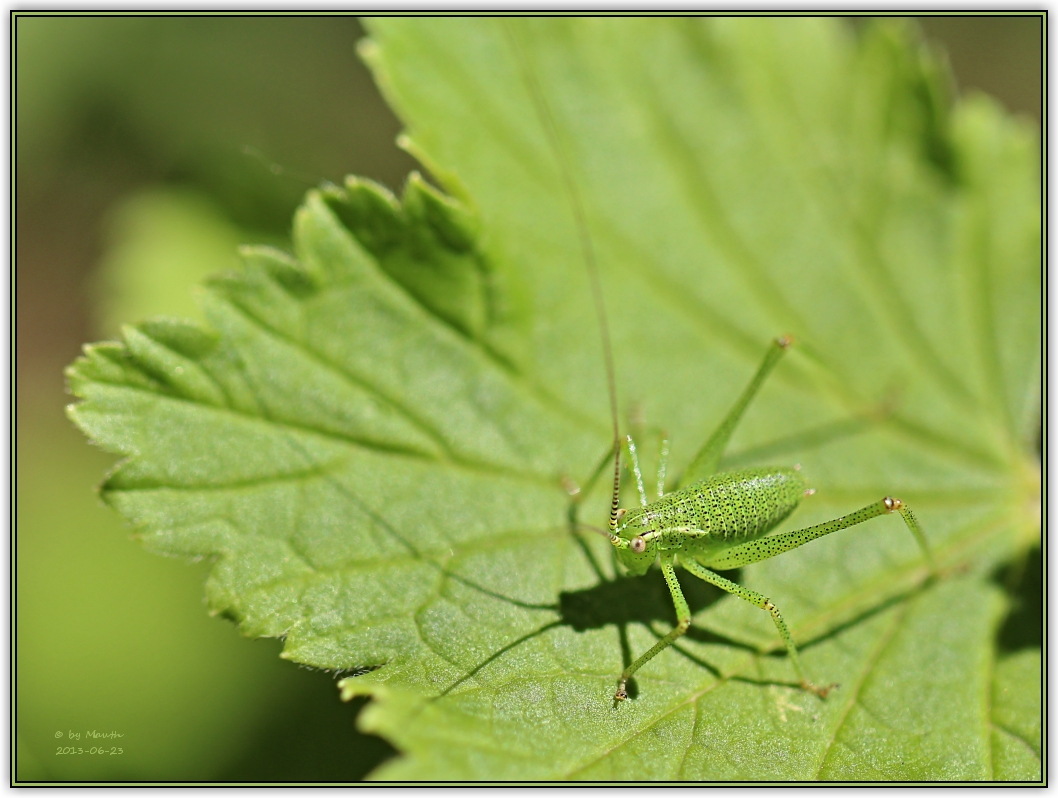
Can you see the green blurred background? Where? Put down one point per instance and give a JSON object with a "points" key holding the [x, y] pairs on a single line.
{"points": [[146, 149]]}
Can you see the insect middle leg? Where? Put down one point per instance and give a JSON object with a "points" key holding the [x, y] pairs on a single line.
{"points": [[757, 600]]}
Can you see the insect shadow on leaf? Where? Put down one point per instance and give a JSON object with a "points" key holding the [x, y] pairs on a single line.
{"points": [[1022, 579], [644, 600]]}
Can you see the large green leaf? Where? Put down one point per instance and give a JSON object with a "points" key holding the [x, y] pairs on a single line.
{"points": [[374, 438]]}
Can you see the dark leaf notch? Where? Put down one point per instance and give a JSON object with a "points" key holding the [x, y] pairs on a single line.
{"points": [[429, 244]]}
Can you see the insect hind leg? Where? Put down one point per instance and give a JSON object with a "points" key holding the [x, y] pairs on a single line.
{"points": [[707, 461], [773, 545]]}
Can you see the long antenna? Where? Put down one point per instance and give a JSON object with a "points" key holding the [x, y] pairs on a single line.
{"points": [[588, 251]]}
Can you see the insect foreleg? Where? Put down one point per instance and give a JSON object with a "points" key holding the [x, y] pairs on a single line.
{"points": [[635, 470], [766, 547], [683, 618], [663, 461], [707, 460], [757, 600]]}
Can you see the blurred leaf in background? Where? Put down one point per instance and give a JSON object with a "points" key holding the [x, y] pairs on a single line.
{"points": [[380, 479], [153, 146], [162, 243], [184, 98], [246, 112]]}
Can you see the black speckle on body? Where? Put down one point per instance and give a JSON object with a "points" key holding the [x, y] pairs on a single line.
{"points": [[731, 508]]}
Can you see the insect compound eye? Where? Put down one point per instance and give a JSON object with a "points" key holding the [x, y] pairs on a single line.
{"points": [[638, 544]]}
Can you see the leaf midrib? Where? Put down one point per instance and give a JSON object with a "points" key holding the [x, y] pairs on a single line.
{"points": [[836, 387]]}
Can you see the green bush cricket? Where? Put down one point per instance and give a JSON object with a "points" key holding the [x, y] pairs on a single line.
{"points": [[713, 520], [721, 520]]}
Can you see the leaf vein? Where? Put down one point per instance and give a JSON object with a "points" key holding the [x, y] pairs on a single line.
{"points": [[870, 663]]}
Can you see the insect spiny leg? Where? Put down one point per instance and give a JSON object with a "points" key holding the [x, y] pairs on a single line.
{"points": [[663, 461], [635, 470]]}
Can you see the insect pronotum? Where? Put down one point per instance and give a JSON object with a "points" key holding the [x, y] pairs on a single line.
{"points": [[713, 520]]}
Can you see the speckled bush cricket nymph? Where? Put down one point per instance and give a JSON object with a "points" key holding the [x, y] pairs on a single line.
{"points": [[712, 520], [721, 520]]}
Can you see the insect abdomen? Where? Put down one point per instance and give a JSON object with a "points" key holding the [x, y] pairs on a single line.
{"points": [[743, 504]]}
